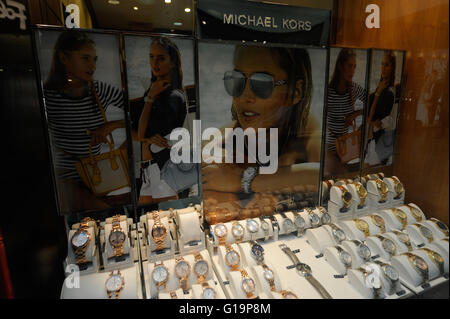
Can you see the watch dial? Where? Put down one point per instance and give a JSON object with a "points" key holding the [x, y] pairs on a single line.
{"points": [[248, 285], [201, 268], [389, 246], [182, 268], [441, 225], [300, 222], [326, 218], [80, 239], [288, 225], [391, 273], [268, 274], [209, 293], [420, 263], [362, 224], [364, 252], [232, 258], [257, 251], [264, 225], [315, 220], [399, 188], [426, 231], [403, 237], [237, 230], [160, 274], [252, 226], [339, 235], [114, 283], [116, 238], [346, 258], [347, 197], [378, 220], [220, 230], [158, 231]]}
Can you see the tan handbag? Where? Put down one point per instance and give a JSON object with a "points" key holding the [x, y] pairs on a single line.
{"points": [[348, 145], [105, 172]]}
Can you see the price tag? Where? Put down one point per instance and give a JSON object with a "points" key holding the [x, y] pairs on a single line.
{"points": [[339, 276], [319, 256]]}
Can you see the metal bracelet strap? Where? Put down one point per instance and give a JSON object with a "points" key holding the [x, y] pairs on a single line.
{"points": [[321, 289]]}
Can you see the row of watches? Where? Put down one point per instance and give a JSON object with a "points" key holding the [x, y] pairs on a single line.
{"points": [[160, 275]]}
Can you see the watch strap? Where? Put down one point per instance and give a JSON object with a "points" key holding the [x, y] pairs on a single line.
{"points": [[320, 289]]}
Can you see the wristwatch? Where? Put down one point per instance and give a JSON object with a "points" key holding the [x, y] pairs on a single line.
{"points": [[362, 193], [200, 267], [398, 187], [252, 227], [247, 285], [257, 252], [419, 265], [376, 290], [265, 227], [345, 257], [425, 231], [220, 230], [305, 271], [287, 294], [401, 217], [182, 271], [363, 226], [442, 227], [288, 224], [207, 291], [237, 231], [247, 177], [300, 224], [436, 258], [160, 275], [345, 196], [80, 242], [314, 219], [114, 284], [148, 99], [404, 238], [159, 231], [232, 258], [325, 218], [269, 277], [382, 190], [390, 273], [117, 237], [387, 244], [415, 212], [363, 250], [379, 222], [338, 234]]}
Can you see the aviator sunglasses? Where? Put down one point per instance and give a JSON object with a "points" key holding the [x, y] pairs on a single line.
{"points": [[261, 84]]}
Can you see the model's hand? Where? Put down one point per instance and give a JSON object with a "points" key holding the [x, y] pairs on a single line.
{"points": [[158, 140], [222, 177], [384, 83], [157, 87], [99, 135]]}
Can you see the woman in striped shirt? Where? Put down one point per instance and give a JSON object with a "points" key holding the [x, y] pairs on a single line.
{"points": [[342, 95], [75, 120]]}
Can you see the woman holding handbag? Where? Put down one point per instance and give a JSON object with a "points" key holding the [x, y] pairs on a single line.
{"points": [[76, 105], [342, 95]]}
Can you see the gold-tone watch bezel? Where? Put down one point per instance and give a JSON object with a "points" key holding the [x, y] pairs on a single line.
{"points": [[382, 189], [363, 226]]}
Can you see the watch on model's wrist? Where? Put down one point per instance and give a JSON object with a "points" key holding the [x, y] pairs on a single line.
{"points": [[247, 177], [148, 99]]}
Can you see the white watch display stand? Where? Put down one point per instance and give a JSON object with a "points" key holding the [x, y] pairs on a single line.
{"points": [[263, 285], [392, 222], [236, 287], [376, 248], [221, 251], [280, 220], [352, 232], [169, 244], [391, 187], [92, 286], [109, 260], [358, 211], [416, 236], [335, 206], [229, 238], [332, 256], [319, 238], [352, 249], [401, 247], [437, 233], [191, 237], [91, 252], [443, 246], [373, 197]]}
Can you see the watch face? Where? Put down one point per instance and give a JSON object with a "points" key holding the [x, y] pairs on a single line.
{"points": [[117, 238], [237, 230], [182, 269], [220, 230], [257, 251], [420, 263], [403, 237], [160, 274], [252, 226], [232, 258], [389, 246], [364, 251], [391, 273], [441, 225], [315, 220], [158, 231], [399, 188], [326, 218], [401, 214], [209, 293], [288, 225], [201, 268], [114, 283], [426, 232], [248, 285], [299, 222], [264, 225], [346, 258], [378, 220], [80, 239], [339, 235], [268, 274], [438, 258], [347, 197], [415, 212], [362, 224]]}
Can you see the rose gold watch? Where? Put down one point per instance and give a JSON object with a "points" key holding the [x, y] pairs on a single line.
{"points": [[159, 231]]}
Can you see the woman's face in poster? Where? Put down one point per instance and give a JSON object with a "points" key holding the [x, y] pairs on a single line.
{"points": [[386, 67], [80, 64], [252, 111], [348, 69], [160, 62]]}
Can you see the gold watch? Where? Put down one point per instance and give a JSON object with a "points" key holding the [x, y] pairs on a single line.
{"points": [[232, 258], [401, 217], [114, 284], [220, 230], [117, 237], [247, 284], [200, 267], [379, 222], [404, 238], [425, 231], [160, 275], [159, 231], [398, 187], [436, 258], [237, 230], [363, 226], [80, 243], [382, 190], [442, 227], [419, 265], [182, 271], [207, 291], [345, 196], [362, 193], [415, 212]]}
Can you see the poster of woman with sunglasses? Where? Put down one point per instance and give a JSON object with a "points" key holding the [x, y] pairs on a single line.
{"points": [[158, 69], [85, 112], [262, 88]]}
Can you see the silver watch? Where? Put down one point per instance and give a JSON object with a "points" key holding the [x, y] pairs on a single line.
{"points": [[247, 177], [363, 250]]}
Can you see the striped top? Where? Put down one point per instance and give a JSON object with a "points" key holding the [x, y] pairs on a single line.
{"points": [[338, 108], [68, 120]]}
